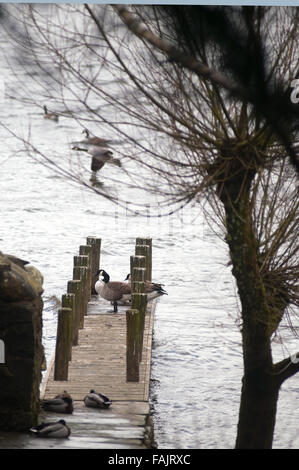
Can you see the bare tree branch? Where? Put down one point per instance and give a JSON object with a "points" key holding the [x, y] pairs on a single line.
{"points": [[287, 368], [177, 55]]}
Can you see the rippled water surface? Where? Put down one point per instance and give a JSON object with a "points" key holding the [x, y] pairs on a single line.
{"points": [[196, 360]]}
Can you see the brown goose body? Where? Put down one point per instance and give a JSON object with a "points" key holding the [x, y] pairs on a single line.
{"points": [[100, 156], [96, 141], [152, 289], [112, 291], [51, 116]]}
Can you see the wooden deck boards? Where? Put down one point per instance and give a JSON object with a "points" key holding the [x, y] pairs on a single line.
{"points": [[99, 362]]}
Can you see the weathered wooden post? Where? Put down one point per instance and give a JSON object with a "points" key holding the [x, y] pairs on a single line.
{"points": [[132, 319], [143, 250], [137, 262], [86, 250], [143, 247], [139, 302], [80, 273], [68, 301], [95, 244], [82, 262], [148, 253], [63, 341], [74, 287]]}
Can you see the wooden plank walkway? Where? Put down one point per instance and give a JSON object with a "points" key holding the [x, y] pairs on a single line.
{"points": [[99, 362]]}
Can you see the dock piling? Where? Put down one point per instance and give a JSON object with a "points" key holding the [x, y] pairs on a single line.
{"points": [[142, 242], [132, 362], [135, 321], [74, 287], [137, 262], [68, 301], [80, 273], [86, 250], [95, 244], [63, 343]]}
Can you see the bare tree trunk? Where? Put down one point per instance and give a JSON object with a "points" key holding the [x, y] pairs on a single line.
{"points": [[260, 389], [257, 411]]}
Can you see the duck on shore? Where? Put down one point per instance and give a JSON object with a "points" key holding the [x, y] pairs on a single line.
{"points": [[58, 429], [62, 403], [96, 400]]}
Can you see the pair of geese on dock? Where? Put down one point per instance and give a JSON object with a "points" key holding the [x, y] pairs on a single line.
{"points": [[98, 148], [63, 403], [120, 292]]}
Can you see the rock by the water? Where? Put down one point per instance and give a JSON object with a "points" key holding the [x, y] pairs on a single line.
{"points": [[21, 332]]}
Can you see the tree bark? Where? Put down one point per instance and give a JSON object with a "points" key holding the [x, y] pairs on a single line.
{"points": [[257, 411], [260, 385]]}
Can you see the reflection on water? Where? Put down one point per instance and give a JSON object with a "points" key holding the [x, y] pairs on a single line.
{"points": [[196, 361]]}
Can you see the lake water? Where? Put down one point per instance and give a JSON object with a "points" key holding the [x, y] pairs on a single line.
{"points": [[197, 356]]}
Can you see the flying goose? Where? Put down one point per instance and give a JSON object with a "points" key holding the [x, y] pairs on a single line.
{"points": [[100, 156], [113, 291], [96, 400], [152, 289], [52, 116], [58, 429], [62, 403]]}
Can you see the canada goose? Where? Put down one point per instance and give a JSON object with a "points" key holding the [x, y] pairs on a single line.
{"points": [[52, 116], [58, 429], [96, 400], [152, 289], [96, 141], [113, 291], [62, 403], [100, 156]]}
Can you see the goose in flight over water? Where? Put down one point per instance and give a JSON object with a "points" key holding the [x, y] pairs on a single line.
{"points": [[100, 156]]}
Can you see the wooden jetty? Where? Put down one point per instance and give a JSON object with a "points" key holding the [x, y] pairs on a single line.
{"points": [[105, 351]]}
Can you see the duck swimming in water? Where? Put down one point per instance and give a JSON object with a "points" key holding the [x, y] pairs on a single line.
{"points": [[51, 116], [58, 429], [96, 400], [96, 141], [93, 141]]}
